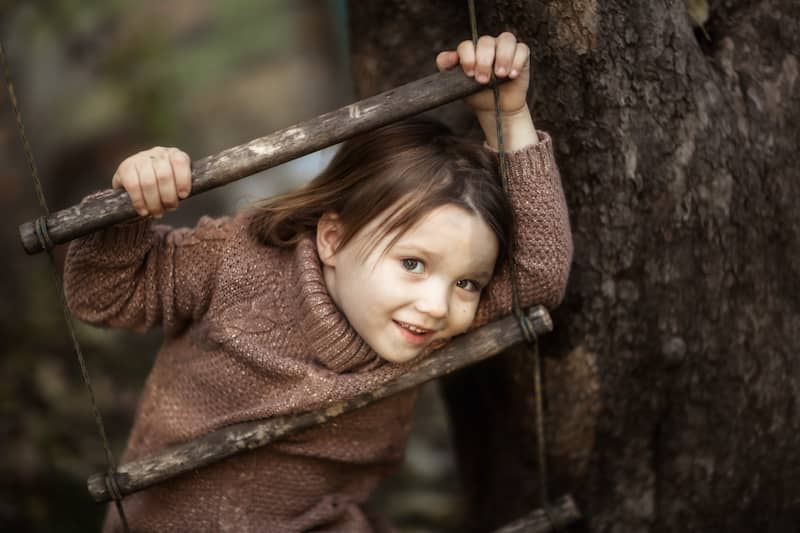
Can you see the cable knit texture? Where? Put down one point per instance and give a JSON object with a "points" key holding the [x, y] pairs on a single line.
{"points": [[251, 332]]}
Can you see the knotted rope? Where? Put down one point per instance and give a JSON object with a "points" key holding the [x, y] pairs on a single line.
{"points": [[524, 321]]}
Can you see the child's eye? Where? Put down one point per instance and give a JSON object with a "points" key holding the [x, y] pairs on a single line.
{"points": [[414, 265], [468, 285]]}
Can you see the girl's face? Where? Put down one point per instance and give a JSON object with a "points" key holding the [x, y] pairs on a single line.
{"points": [[425, 288]]}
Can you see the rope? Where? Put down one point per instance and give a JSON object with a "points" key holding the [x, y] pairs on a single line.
{"points": [[524, 322], [44, 239]]}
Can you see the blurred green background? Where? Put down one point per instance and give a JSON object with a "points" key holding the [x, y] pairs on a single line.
{"points": [[98, 81]]}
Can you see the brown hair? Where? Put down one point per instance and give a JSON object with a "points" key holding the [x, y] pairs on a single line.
{"points": [[404, 171]]}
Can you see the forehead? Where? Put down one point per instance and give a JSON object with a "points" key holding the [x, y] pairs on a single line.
{"points": [[452, 234]]}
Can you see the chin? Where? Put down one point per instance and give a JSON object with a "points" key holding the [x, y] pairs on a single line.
{"points": [[401, 358]]}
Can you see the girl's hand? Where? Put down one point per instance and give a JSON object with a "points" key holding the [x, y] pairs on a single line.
{"points": [[155, 179], [508, 59]]}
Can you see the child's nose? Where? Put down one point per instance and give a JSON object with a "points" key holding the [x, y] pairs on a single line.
{"points": [[434, 302]]}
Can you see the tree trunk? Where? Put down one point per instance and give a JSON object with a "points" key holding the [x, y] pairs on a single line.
{"points": [[678, 154]]}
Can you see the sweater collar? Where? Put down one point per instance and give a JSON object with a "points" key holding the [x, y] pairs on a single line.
{"points": [[328, 333]]}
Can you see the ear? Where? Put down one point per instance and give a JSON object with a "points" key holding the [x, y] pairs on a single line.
{"points": [[329, 235]]}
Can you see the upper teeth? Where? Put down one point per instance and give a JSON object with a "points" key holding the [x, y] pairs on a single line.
{"points": [[412, 328]]}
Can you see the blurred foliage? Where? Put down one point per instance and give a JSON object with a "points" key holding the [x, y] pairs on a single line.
{"points": [[97, 81], [98, 72], [144, 53]]}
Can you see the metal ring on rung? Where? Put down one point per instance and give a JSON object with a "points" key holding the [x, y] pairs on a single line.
{"points": [[40, 228], [526, 326], [112, 486]]}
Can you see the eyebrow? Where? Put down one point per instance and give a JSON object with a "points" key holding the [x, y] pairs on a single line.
{"points": [[416, 248]]}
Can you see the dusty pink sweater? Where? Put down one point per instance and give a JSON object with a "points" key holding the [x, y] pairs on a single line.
{"points": [[251, 332]]}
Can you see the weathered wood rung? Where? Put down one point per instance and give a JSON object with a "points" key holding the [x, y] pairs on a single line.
{"points": [[559, 514], [259, 154], [213, 447]]}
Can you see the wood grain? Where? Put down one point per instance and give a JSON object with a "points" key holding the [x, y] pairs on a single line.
{"points": [[114, 206], [463, 351]]}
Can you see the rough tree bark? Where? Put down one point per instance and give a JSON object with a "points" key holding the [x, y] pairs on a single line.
{"points": [[678, 155]]}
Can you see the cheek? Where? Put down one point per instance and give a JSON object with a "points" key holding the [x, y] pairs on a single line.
{"points": [[462, 315], [379, 287], [387, 282]]}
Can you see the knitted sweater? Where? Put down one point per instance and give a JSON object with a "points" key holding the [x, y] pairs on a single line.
{"points": [[251, 332]]}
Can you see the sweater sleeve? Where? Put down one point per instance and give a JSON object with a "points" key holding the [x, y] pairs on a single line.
{"points": [[542, 240], [137, 276]]}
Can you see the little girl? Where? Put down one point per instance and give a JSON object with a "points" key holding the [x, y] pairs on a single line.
{"points": [[319, 295]]}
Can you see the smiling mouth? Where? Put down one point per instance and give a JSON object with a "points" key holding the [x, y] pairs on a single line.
{"points": [[412, 333], [412, 328]]}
